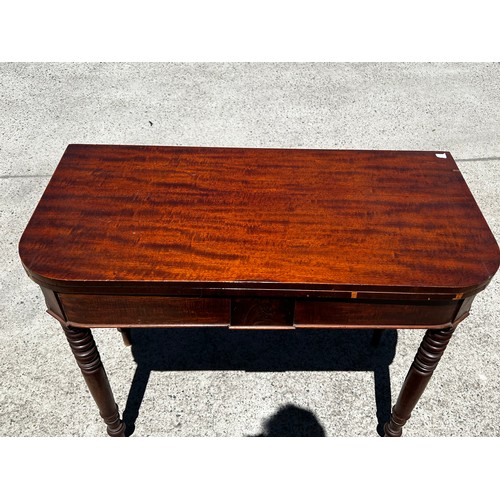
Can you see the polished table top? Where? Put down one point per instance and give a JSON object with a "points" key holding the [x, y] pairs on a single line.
{"points": [[186, 219]]}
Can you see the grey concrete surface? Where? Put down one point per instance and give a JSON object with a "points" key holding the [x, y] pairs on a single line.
{"points": [[210, 383]]}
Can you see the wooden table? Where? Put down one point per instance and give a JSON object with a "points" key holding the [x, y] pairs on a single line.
{"points": [[136, 236]]}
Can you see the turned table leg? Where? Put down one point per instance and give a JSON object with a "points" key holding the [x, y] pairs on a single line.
{"points": [[87, 357], [428, 355]]}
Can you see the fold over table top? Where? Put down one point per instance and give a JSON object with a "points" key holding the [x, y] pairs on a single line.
{"points": [[164, 218]]}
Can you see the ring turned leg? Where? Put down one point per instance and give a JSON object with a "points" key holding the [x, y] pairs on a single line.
{"points": [[87, 357], [428, 355]]}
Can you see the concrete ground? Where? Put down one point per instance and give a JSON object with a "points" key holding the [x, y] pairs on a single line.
{"points": [[215, 383]]}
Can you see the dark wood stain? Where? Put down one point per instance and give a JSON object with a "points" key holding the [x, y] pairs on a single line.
{"points": [[262, 312], [160, 236], [359, 313], [113, 310], [391, 221]]}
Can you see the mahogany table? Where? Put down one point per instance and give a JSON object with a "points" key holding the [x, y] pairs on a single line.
{"points": [[146, 236]]}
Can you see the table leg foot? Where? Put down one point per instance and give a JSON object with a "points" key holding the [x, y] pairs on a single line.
{"points": [[87, 357], [427, 358]]}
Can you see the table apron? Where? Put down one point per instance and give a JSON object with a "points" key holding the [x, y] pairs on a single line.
{"points": [[103, 311]]}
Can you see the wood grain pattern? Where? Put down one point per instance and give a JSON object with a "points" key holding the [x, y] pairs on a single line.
{"points": [[148, 216], [114, 310], [145, 235], [262, 312], [121, 311], [370, 313]]}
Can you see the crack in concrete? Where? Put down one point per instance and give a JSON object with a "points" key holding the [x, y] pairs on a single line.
{"points": [[23, 176], [487, 158]]}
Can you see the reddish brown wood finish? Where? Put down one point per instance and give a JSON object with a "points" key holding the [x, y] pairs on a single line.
{"points": [[181, 217], [345, 313], [89, 361], [262, 312], [120, 311], [426, 360], [157, 236], [115, 310]]}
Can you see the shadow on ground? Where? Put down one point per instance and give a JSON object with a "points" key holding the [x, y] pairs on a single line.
{"points": [[218, 349], [292, 421]]}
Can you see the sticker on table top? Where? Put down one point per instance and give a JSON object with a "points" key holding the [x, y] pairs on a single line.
{"points": [[441, 155]]}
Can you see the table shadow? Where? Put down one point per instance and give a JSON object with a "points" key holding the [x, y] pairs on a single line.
{"points": [[191, 349]]}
